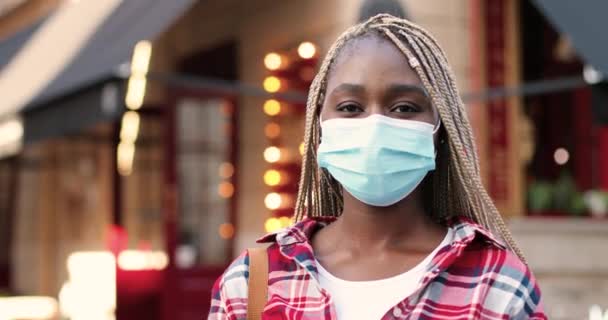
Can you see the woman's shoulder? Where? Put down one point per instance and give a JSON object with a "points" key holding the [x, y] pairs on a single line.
{"points": [[233, 282], [230, 291], [488, 257], [484, 252], [507, 281]]}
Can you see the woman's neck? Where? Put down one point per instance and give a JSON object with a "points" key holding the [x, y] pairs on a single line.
{"points": [[367, 227]]}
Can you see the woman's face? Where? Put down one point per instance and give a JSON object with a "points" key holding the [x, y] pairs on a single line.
{"points": [[372, 76]]}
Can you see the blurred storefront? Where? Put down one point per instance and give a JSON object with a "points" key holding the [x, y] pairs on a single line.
{"points": [[168, 141], [543, 142]]}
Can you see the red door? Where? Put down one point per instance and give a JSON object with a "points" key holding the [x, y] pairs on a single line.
{"points": [[199, 200]]}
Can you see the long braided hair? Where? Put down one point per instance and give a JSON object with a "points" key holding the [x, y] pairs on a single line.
{"points": [[456, 187]]}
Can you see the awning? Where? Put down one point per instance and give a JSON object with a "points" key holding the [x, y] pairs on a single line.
{"points": [[10, 46], [78, 48], [585, 24], [112, 43]]}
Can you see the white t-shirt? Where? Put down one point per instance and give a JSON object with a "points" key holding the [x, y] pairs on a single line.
{"points": [[372, 299]]}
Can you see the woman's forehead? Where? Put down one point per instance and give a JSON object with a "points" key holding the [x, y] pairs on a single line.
{"points": [[371, 61]]}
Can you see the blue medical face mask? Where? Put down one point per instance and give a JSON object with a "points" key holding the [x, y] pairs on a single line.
{"points": [[379, 160]]}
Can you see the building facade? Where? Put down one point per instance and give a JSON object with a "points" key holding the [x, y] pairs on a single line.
{"points": [[185, 174]]}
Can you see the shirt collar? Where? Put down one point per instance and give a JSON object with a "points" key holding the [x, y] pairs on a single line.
{"points": [[465, 232], [297, 233]]}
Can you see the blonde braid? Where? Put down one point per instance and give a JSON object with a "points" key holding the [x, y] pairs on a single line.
{"points": [[469, 144], [423, 51], [321, 195], [478, 202], [312, 199]]}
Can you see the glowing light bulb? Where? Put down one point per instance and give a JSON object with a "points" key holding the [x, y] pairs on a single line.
{"points": [[136, 87], [272, 107], [225, 189], [272, 130], [124, 157], [129, 126], [272, 177], [273, 201], [226, 230], [273, 61], [226, 170], [301, 148], [307, 50], [136, 91], [272, 154], [272, 225], [141, 57], [272, 84], [11, 131]]}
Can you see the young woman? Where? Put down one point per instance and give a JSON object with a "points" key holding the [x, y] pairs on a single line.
{"points": [[394, 222]]}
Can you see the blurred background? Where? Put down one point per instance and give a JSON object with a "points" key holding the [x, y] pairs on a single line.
{"points": [[146, 143]]}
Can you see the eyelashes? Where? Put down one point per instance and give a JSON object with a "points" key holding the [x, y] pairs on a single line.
{"points": [[351, 107]]}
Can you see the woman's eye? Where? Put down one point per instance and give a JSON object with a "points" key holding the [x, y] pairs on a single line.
{"points": [[349, 107], [403, 108]]}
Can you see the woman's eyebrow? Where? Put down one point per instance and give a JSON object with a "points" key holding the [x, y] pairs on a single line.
{"points": [[396, 89], [348, 88]]}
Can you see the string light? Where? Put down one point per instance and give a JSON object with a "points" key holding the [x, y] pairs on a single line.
{"points": [[124, 157], [272, 130], [307, 50], [301, 148], [273, 61], [272, 107], [272, 84], [136, 87], [272, 154], [226, 170], [141, 57], [272, 177], [272, 225], [129, 126], [126, 148], [273, 201], [225, 189], [11, 136], [226, 230]]}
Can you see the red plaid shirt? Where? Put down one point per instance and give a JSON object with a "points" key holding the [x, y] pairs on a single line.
{"points": [[473, 277]]}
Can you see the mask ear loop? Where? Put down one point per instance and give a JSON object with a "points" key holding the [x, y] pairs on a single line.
{"points": [[437, 120], [437, 127]]}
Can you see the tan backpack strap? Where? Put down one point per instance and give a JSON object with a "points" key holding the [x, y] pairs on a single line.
{"points": [[258, 283]]}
